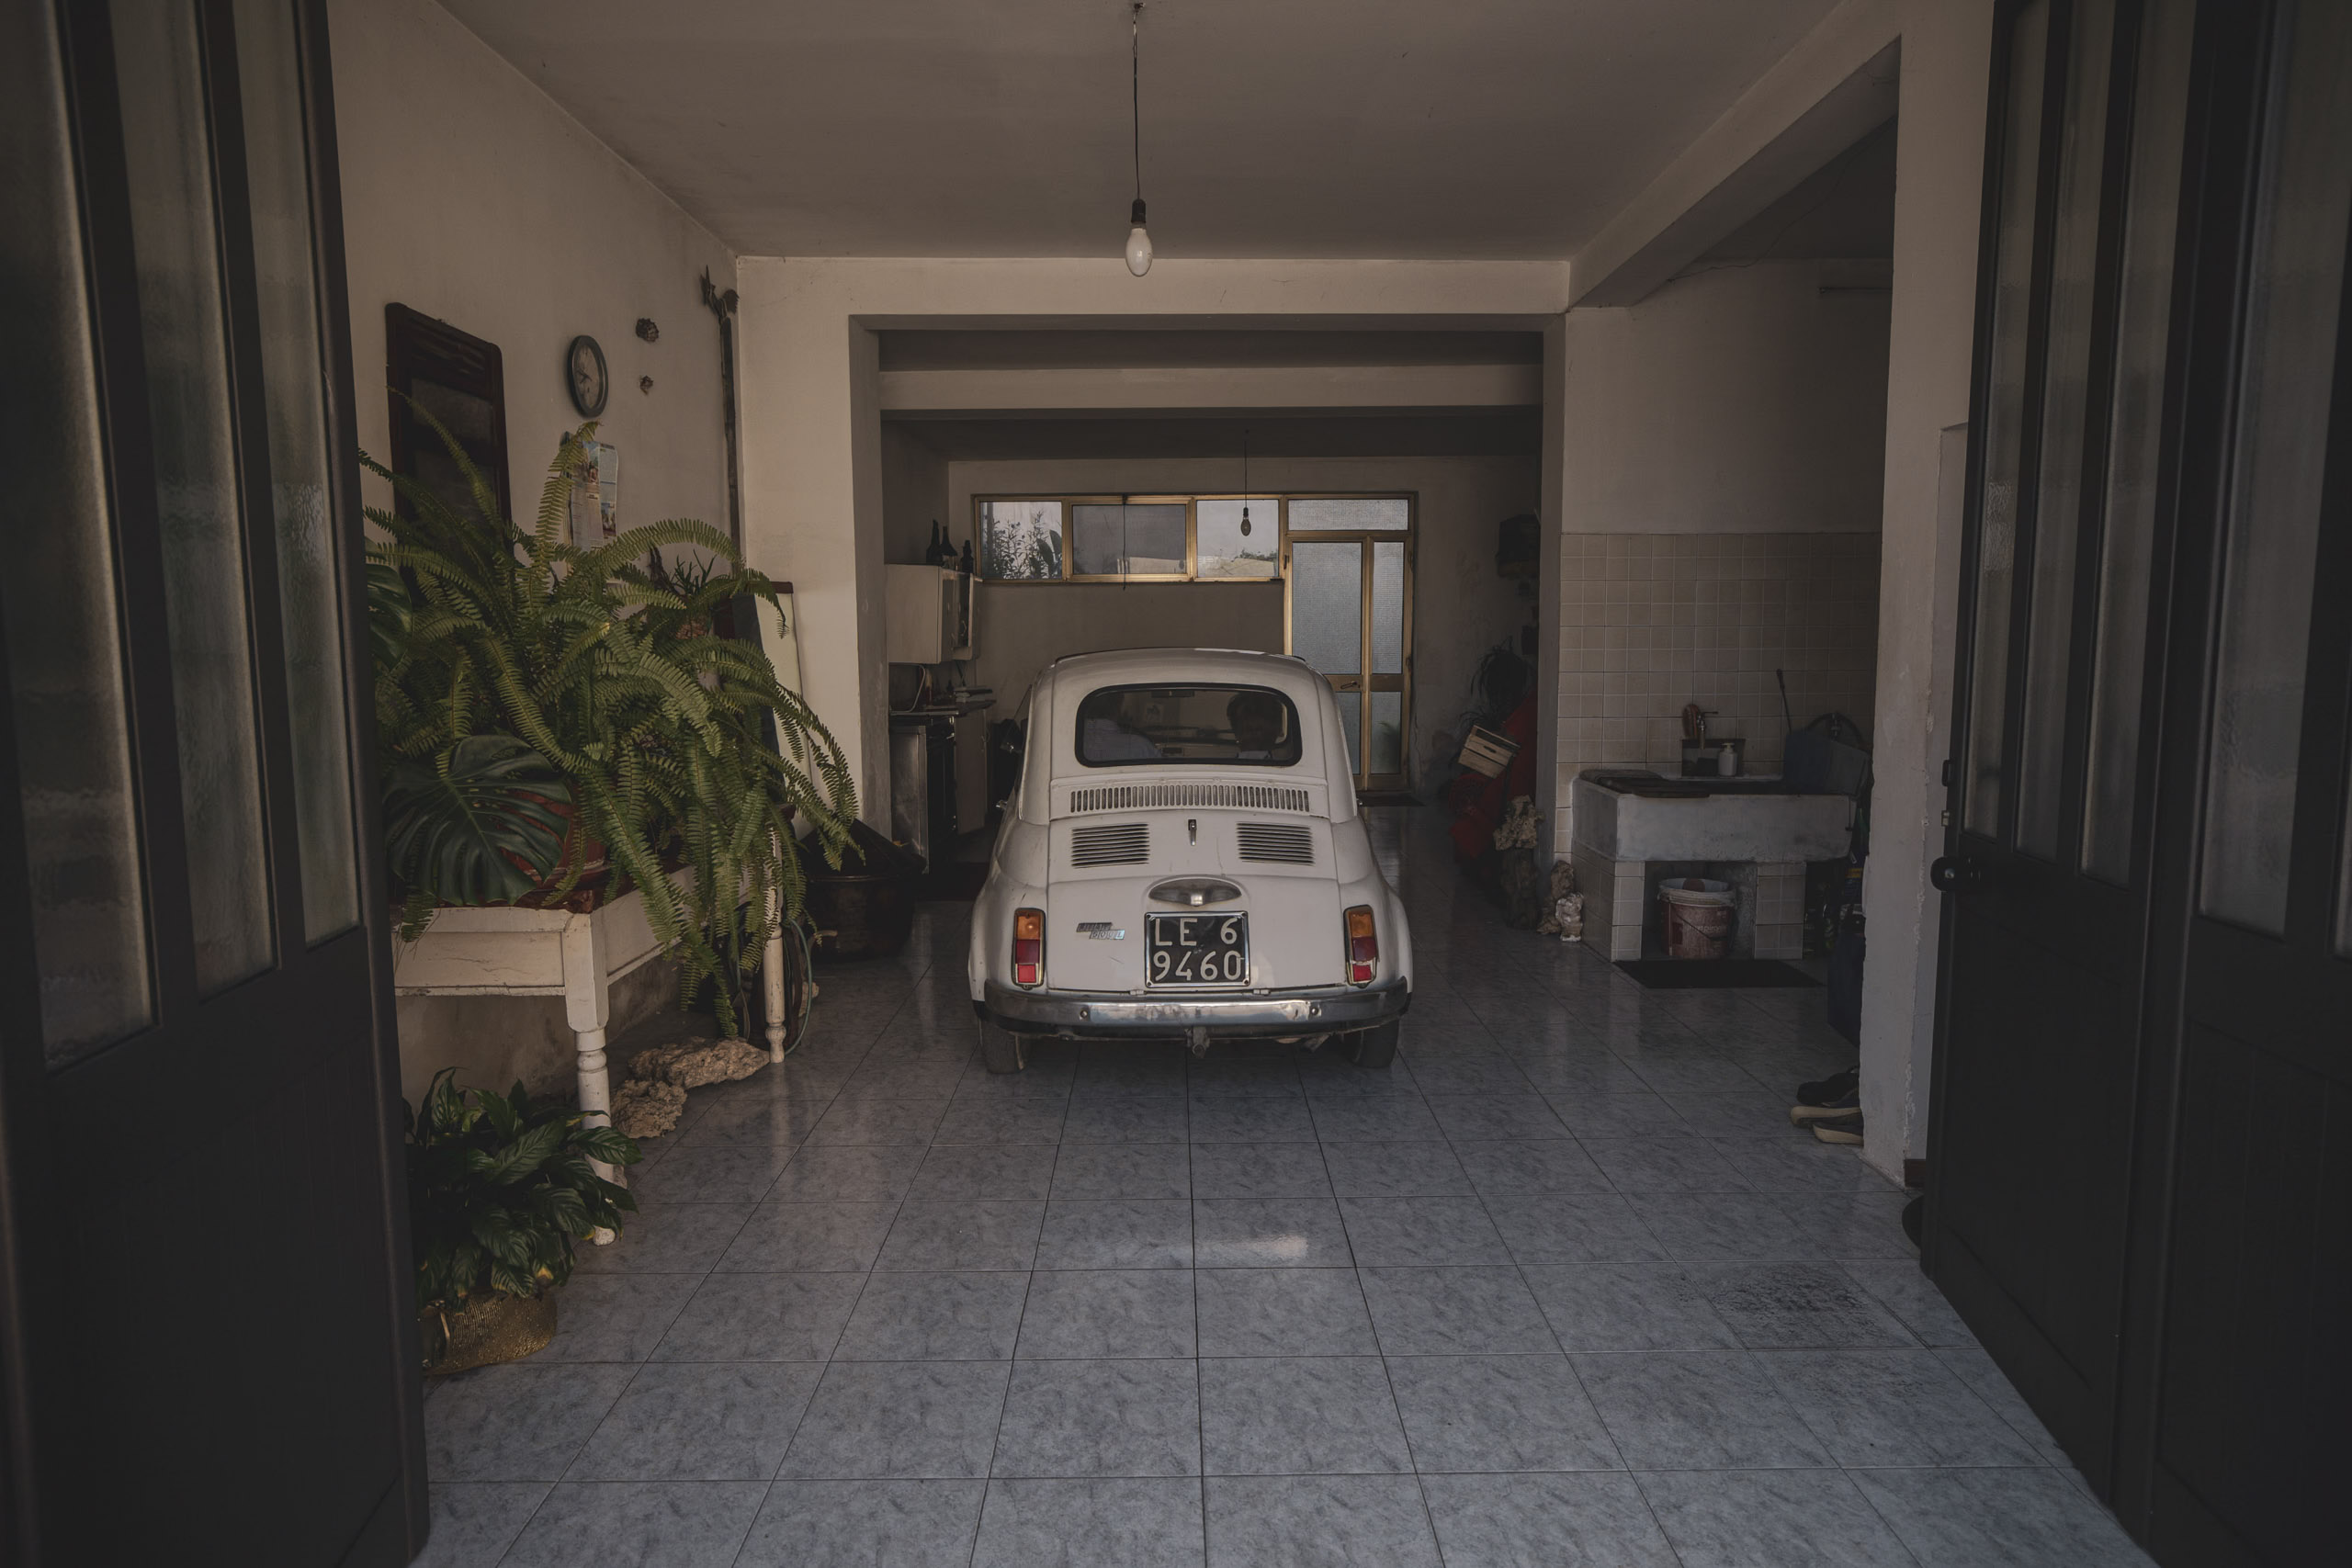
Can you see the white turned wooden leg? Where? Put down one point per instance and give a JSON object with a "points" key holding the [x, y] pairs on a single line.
{"points": [[771, 976], [587, 1006]]}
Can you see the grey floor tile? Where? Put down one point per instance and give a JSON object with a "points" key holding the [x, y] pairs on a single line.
{"points": [[1698, 1410], [1742, 1115], [1421, 1231], [1135, 1522], [1227, 1071], [985, 1171], [1022, 1120], [935, 1317], [644, 1524], [899, 1419], [925, 1077], [723, 1421], [475, 1521], [1094, 1313], [872, 1172], [1283, 1312], [1597, 1227], [1893, 1407], [1318, 1521], [1801, 1166], [1237, 1120], [1704, 1227], [991, 1234], [1485, 1117], [1116, 1233], [1258, 1170], [1531, 1168], [1127, 1119], [1622, 1114], [1969, 1519], [1899, 1287], [1394, 1169], [1292, 1415], [1664, 1165], [616, 1317], [522, 1421], [865, 1524], [1454, 1312], [1269, 1232], [879, 1121], [1123, 1170], [666, 1238], [1677, 1071], [1387, 1118], [755, 1122], [782, 1238], [1101, 1417], [1583, 1076], [1769, 1518], [1627, 1306], [1545, 1521], [1971, 1366], [710, 1175], [1468, 1073], [762, 1317], [1796, 1307], [1498, 1412], [1866, 1224]]}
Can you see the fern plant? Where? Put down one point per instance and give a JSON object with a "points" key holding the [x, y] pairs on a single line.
{"points": [[610, 708]]}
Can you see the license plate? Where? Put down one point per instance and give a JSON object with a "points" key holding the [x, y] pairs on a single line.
{"points": [[1197, 950]]}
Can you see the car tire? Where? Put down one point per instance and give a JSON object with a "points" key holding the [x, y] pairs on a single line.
{"points": [[1374, 1048], [1004, 1050]]}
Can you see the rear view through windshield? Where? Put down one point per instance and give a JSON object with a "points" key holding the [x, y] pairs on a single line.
{"points": [[1247, 725]]}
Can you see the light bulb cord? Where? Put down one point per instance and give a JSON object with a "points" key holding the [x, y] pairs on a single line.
{"points": [[1134, 86]]}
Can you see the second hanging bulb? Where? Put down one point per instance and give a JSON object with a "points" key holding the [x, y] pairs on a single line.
{"points": [[1138, 242]]}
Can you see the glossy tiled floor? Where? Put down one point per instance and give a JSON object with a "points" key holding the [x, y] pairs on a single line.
{"points": [[1563, 1287]]}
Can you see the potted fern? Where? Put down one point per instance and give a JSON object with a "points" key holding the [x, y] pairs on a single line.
{"points": [[557, 728], [499, 1188]]}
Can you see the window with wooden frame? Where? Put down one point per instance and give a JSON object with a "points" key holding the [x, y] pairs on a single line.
{"points": [[1224, 538]]}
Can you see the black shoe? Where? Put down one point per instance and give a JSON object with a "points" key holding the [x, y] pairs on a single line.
{"points": [[1839, 1129], [1913, 1212], [1836, 1086], [1847, 1104]]}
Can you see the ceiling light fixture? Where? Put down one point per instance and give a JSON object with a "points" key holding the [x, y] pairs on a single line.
{"points": [[1244, 481], [1138, 240]]}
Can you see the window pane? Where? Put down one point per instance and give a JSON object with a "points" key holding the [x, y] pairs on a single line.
{"points": [[269, 85], [1350, 714], [1020, 541], [1388, 609], [1996, 522], [168, 157], [1226, 550], [1327, 606], [2280, 460], [2143, 308], [1384, 512], [2065, 402], [1250, 725], [57, 600], [1387, 733], [1124, 541]]}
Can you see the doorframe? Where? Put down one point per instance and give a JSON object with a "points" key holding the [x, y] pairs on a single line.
{"points": [[1364, 682]]}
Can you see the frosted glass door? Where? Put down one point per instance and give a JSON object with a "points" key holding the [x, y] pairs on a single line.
{"points": [[1351, 617]]}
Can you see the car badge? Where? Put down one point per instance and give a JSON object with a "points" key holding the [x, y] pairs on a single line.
{"points": [[1100, 930]]}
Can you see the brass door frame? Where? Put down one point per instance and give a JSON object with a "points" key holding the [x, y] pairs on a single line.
{"points": [[1364, 682]]}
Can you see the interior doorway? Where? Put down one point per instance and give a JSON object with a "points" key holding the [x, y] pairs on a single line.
{"points": [[1348, 611]]}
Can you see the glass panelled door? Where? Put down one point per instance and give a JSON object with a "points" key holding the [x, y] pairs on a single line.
{"points": [[1350, 615]]}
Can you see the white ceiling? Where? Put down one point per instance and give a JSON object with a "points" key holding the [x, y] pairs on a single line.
{"points": [[1272, 128]]}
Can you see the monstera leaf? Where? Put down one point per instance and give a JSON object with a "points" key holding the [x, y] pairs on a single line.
{"points": [[457, 835]]}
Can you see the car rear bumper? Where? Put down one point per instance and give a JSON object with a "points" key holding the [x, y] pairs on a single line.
{"points": [[1081, 1017]]}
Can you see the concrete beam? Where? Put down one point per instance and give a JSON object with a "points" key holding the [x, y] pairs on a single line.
{"points": [[1838, 85], [1215, 386]]}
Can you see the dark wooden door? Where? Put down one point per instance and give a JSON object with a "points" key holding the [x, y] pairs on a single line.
{"points": [[205, 1340], [2141, 1195]]}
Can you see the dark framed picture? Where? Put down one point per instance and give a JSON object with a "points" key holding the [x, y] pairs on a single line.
{"points": [[461, 381]]}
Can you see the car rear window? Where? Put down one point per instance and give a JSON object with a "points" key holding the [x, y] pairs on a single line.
{"points": [[1248, 726]]}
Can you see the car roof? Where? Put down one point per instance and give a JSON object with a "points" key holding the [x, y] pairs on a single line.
{"points": [[1156, 665]]}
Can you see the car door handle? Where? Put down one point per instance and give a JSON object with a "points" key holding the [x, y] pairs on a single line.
{"points": [[1961, 873]]}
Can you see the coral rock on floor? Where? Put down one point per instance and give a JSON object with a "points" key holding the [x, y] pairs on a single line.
{"points": [[646, 1110], [691, 1066]]}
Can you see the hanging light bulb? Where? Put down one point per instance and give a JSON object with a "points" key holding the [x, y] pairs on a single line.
{"points": [[1244, 481], [1139, 238]]}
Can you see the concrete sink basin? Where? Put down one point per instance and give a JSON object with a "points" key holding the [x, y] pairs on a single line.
{"points": [[1745, 820]]}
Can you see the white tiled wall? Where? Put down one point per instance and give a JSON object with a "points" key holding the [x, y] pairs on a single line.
{"points": [[1649, 622]]}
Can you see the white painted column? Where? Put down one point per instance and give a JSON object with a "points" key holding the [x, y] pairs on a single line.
{"points": [[1939, 174], [588, 1007]]}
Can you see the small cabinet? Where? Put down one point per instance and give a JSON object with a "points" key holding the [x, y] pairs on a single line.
{"points": [[930, 614]]}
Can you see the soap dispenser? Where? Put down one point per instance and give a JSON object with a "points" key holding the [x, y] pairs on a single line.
{"points": [[1726, 760]]}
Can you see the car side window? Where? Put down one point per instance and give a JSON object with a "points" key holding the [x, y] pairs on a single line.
{"points": [[1120, 726]]}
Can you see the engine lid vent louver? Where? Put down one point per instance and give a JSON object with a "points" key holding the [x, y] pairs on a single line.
{"points": [[1111, 843], [1169, 797], [1280, 843]]}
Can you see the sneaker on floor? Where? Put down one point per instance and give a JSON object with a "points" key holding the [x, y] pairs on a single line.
{"points": [[1845, 1128], [1835, 1087], [1847, 1104]]}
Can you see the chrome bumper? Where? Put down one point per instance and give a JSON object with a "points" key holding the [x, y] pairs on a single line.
{"points": [[1084, 1016]]}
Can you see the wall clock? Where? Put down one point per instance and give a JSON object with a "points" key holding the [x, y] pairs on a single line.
{"points": [[584, 368]]}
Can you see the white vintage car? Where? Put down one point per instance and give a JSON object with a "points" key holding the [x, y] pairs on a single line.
{"points": [[1184, 859]]}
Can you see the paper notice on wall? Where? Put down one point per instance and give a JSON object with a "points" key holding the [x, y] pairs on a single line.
{"points": [[595, 495]]}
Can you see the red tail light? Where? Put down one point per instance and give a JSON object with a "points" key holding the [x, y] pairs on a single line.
{"points": [[1028, 946], [1363, 946]]}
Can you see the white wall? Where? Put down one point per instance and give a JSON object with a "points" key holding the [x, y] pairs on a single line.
{"points": [[1460, 607], [469, 196], [914, 496]]}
